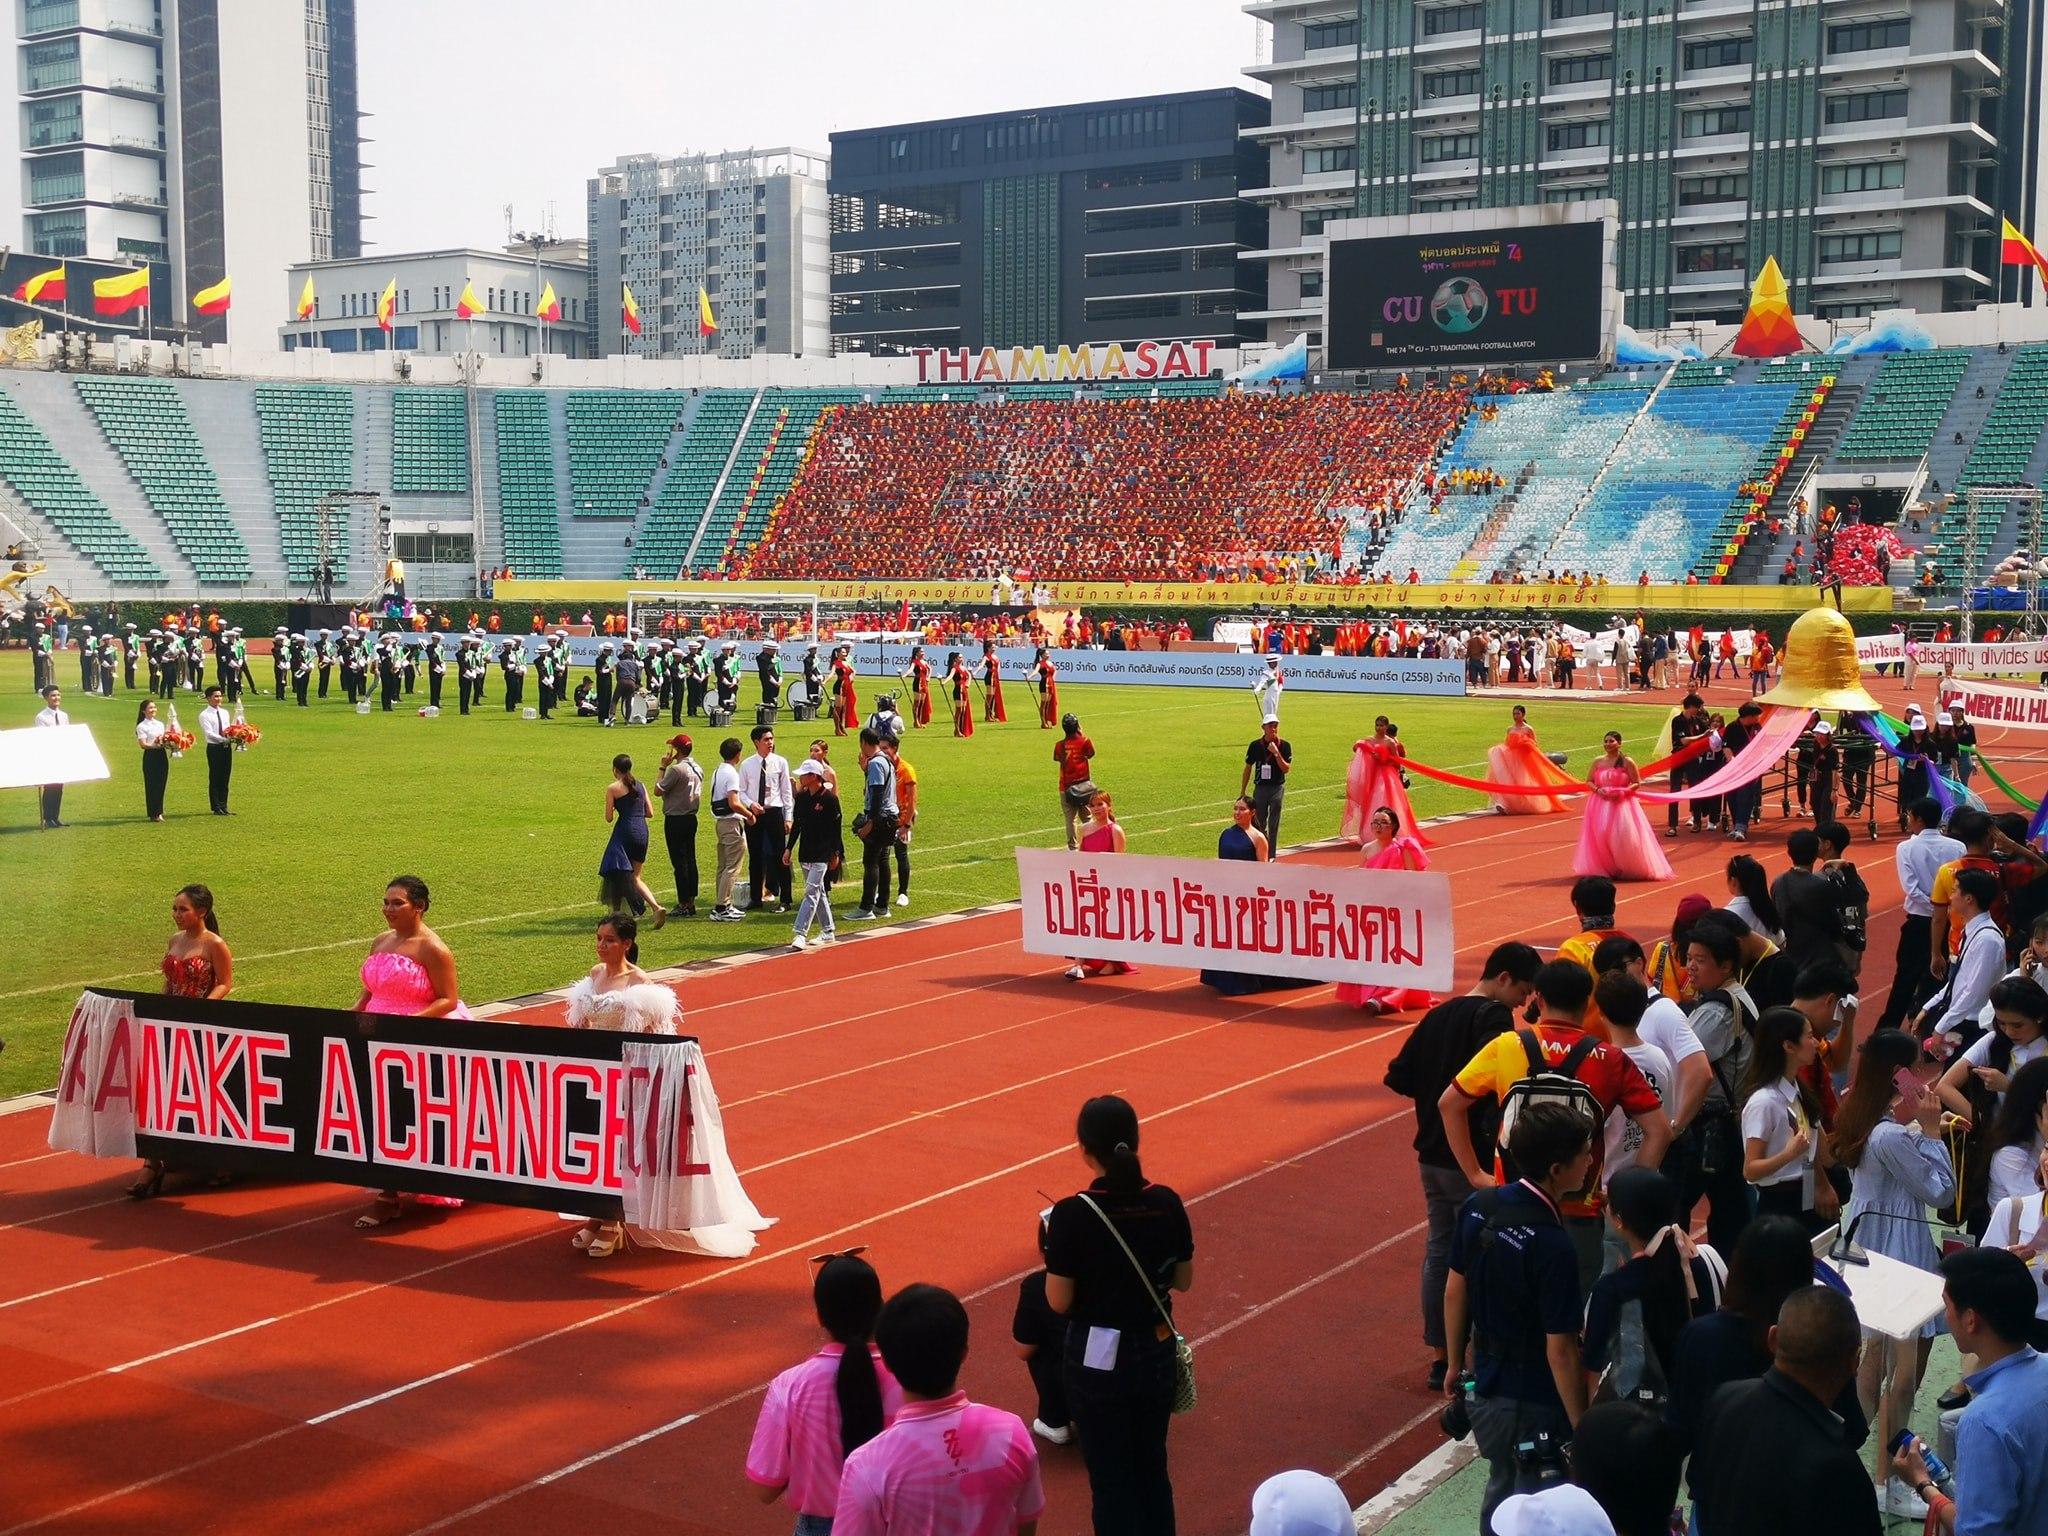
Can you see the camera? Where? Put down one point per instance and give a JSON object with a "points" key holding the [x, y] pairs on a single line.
{"points": [[1540, 1461]]}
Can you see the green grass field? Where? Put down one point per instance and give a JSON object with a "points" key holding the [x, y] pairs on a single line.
{"points": [[503, 818]]}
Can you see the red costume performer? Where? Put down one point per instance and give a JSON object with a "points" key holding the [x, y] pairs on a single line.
{"points": [[845, 713], [920, 692], [1048, 694], [963, 712], [992, 687]]}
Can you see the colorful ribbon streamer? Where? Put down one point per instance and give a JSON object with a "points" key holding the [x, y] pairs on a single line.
{"points": [[1564, 785]]}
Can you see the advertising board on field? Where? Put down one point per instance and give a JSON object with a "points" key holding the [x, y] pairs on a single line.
{"points": [[1189, 669]]}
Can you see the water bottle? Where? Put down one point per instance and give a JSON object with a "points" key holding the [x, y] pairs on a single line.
{"points": [[1937, 1469]]}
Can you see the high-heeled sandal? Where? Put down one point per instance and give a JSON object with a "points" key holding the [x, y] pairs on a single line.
{"points": [[150, 1185], [384, 1210], [611, 1239], [660, 916], [585, 1235]]}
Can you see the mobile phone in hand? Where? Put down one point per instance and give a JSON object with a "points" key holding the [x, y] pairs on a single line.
{"points": [[1909, 1086]]}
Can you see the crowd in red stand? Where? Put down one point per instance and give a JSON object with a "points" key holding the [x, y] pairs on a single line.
{"points": [[1202, 489]]}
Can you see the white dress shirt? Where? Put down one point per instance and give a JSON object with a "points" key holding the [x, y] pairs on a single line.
{"points": [[1968, 988], [52, 717], [1919, 859], [764, 782], [214, 721], [150, 732]]}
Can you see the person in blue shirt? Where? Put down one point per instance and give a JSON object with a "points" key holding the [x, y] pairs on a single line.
{"points": [[1512, 1301], [2001, 1465]]}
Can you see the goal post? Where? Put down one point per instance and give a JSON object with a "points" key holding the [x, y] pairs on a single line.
{"points": [[735, 615]]}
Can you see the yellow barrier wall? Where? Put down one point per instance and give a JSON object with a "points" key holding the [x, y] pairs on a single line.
{"points": [[1305, 599]]}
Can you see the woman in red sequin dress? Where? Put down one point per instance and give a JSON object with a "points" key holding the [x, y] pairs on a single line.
{"points": [[196, 963]]}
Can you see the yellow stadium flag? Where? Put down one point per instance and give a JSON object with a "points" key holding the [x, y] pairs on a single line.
{"points": [[707, 324], [550, 307], [469, 306], [214, 300], [387, 305], [306, 299], [119, 295]]}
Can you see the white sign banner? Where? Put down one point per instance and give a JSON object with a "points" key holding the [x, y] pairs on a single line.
{"points": [[1374, 926], [2005, 656], [2022, 709], [1878, 650], [61, 754]]}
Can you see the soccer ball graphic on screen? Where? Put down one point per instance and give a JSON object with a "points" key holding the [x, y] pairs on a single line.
{"points": [[1458, 306]]}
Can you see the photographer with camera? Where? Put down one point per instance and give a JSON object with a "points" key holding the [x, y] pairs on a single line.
{"points": [[1512, 1301]]}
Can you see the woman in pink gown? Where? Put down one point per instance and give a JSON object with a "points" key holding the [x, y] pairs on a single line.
{"points": [[1388, 849], [1517, 760], [1615, 839], [1104, 835], [1375, 781], [409, 971]]}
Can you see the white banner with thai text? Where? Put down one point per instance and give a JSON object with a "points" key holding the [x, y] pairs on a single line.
{"points": [[2023, 709], [1383, 927]]}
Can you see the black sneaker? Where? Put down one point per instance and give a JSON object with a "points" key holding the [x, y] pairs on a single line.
{"points": [[1437, 1371]]}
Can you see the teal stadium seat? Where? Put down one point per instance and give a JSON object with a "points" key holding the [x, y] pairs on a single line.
{"points": [[308, 433], [527, 517], [429, 442], [146, 422], [615, 441], [766, 467], [53, 491], [2005, 446], [685, 495], [1903, 407]]}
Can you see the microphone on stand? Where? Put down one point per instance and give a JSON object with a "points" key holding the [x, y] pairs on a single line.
{"points": [[1844, 1249]]}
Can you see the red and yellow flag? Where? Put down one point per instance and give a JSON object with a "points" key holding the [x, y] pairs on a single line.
{"points": [[707, 325], [2018, 251], [214, 300], [629, 310], [44, 287], [306, 300], [387, 305], [119, 295], [469, 306], [550, 307]]}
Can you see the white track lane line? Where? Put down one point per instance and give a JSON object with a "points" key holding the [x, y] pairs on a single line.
{"points": [[169, 1258]]}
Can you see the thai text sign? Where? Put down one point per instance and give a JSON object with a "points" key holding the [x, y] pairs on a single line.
{"points": [[1386, 927], [515, 1114], [2023, 709]]}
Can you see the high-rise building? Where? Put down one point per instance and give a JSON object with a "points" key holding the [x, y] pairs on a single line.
{"points": [[1871, 149], [747, 228], [1103, 221], [216, 137]]}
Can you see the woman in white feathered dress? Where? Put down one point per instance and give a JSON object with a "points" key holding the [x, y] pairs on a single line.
{"points": [[617, 994]]}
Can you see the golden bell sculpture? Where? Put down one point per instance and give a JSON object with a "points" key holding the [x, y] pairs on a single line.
{"points": [[1821, 669]]}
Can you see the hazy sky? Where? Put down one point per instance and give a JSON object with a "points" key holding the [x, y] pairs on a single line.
{"points": [[478, 103]]}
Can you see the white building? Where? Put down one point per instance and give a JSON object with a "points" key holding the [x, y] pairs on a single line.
{"points": [[751, 228], [218, 136], [509, 283]]}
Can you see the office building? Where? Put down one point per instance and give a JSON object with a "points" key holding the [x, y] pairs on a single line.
{"points": [[215, 137], [1103, 221], [510, 284], [747, 227], [1871, 151]]}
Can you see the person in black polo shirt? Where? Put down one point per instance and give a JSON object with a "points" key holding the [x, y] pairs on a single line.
{"points": [[1512, 1301], [1267, 762], [1120, 1370], [1448, 1036], [1687, 726]]}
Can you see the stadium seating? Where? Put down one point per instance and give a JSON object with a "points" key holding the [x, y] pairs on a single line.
{"points": [[146, 422], [1663, 495], [2006, 444], [766, 465], [53, 491], [430, 442], [1184, 489], [309, 449], [672, 525], [616, 438], [528, 522], [1904, 405]]}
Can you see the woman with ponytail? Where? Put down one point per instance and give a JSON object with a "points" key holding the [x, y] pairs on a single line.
{"points": [[196, 963], [1636, 1312], [1120, 1367], [818, 1413], [617, 994]]}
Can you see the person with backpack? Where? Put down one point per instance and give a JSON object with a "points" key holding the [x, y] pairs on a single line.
{"points": [[1635, 1312], [1512, 1307], [1708, 1160], [1555, 1061], [1852, 896], [1949, 1019], [1809, 906]]}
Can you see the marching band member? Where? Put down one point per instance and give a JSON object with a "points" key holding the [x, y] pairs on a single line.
{"points": [[280, 660], [324, 654], [814, 682], [696, 675], [725, 673], [302, 669], [129, 645], [605, 666], [1267, 688], [768, 664], [389, 668], [437, 666]]}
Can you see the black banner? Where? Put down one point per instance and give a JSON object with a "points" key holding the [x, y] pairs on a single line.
{"points": [[1478, 299], [508, 1114]]}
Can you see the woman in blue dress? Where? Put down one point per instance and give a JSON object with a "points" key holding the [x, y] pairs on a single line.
{"points": [[1891, 1141], [627, 807], [1245, 844]]}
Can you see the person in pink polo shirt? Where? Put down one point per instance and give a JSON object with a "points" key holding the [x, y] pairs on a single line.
{"points": [[818, 1413], [947, 1466]]}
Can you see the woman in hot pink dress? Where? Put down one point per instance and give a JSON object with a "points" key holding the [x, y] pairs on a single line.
{"points": [[1518, 760], [1389, 849], [409, 971], [1104, 835], [1615, 839], [1375, 781]]}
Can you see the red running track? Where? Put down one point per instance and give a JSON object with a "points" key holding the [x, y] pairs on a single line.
{"points": [[244, 1359]]}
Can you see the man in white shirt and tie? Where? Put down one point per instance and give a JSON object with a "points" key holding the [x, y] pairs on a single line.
{"points": [[214, 721], [765, 786], [51, 714], [1919, 859], [1949, 1022]]}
